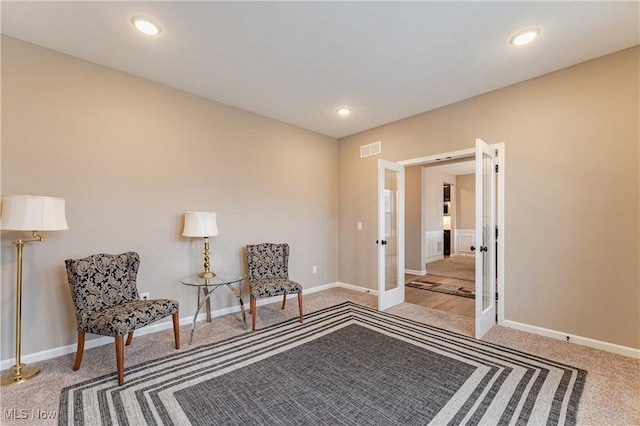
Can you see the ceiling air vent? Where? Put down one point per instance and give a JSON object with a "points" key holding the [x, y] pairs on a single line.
{"points": [[371, 149]]}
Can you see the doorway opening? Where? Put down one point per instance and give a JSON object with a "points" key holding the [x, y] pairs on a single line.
{"points": [[489, 219], [445, 277], [447, 217]]}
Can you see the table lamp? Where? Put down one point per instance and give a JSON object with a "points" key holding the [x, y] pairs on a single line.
{"points": [[28, 213], [201, 224]]}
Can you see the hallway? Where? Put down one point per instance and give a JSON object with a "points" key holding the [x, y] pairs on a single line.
{"points": [[459, 271]]}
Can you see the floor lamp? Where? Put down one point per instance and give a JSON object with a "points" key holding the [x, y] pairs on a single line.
{"points": [[28, 213]]}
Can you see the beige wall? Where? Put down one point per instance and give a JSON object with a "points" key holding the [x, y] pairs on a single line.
{"points": [[423, 211], [130, 157], [572, 192], [413, 230], [466, 201], [434, 181]]}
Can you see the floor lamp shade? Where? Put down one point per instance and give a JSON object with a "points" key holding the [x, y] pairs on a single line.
{"points": [[33, 213], [27, 213]]}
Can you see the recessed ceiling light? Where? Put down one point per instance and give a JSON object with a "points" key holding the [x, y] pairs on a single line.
{"points": [[343, 111], [525, 36], [145, 25]]}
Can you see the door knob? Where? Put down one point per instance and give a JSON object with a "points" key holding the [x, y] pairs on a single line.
{"points": [[473, 248], [483, 248], [383, 242]]}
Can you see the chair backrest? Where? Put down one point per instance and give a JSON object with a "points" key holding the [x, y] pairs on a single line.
{"points": [[102, 281], [268, 261]]}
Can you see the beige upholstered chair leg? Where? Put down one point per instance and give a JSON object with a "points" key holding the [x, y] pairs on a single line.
{"points": [[79, 351], [120, 359], [284, 300], [129, 338], [252, 310], [176, 329], [300, 306]]}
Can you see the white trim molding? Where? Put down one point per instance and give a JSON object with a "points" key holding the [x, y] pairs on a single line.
{"points": [[101, 341], [465, 238], [579, 340], [463, 153], [358, 288], [434, 245], [165, 324], [415, 272]]}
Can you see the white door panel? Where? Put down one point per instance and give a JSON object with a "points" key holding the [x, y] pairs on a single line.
{"points": [[390, 234], [485, 238]]}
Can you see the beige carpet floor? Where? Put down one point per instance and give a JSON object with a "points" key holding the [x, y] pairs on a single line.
{"points": [[611, 395]]}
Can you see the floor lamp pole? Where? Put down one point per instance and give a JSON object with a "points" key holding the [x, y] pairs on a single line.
{"points": [[19, 372]]}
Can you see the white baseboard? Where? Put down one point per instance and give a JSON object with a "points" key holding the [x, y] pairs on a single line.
{"points": [[274, 299], [434, 246], [167, 324], [321, 287], [585, 341], [358, 288], [464, 239], [100, 341], [415, 272], [152, 328]]}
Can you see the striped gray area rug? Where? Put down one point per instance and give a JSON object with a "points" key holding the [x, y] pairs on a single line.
{"points": [[345, 365]]}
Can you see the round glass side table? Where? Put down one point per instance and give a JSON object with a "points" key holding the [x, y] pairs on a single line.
{"points": [[209, 286]]}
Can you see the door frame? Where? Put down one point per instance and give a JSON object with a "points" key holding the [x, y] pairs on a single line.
{"points": [[500, 212]]}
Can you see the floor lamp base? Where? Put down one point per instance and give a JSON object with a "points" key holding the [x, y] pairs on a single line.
{"points": [[19, 374]]}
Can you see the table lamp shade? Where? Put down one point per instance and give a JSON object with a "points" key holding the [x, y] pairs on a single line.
{"points": [[200, 224], [33, 213]]}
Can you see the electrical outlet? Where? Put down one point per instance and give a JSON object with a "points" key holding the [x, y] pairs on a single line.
{"points": [[314, 269], [144, 296]]}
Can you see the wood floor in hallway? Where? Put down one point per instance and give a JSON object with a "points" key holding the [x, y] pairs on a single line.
{"points": [[443, 302]]}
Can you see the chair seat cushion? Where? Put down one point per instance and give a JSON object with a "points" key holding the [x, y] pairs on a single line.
{"points": [[274, 287], [122, 319]]}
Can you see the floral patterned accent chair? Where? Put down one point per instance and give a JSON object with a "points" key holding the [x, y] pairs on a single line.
{"points": [[103, 289], [269, 275]]}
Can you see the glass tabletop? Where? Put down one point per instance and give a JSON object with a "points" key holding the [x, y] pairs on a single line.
{"points": [[198, 281]]}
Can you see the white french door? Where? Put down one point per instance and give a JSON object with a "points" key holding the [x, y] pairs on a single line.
{"points": [[485, 238], [390, 234]]}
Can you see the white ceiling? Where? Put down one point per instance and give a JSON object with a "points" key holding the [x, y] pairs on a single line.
{"points": [[298, 62], [457, 169]]}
